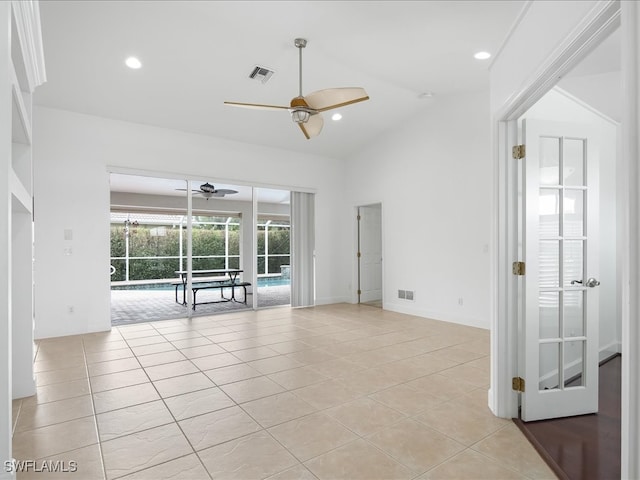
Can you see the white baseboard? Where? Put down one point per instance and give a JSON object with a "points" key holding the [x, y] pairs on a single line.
{"points": [[6, 475], [609, 350], [332, 300], [441, 316], [74, 331], [27, 389], [490, 401]]}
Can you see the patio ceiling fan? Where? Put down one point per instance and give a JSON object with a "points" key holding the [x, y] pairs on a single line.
{"points": [[305, 110], [207, 191]]}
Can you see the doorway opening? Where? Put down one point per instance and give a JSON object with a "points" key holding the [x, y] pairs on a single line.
{"points": [[231, 253], [570, 319], [369, 255]]}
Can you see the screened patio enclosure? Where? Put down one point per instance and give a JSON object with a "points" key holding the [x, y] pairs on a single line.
{"points": [[154, 243], [150, 248]]}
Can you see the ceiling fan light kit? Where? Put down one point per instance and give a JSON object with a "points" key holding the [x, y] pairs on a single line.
{"points": [[300, 116], [305, 110]]}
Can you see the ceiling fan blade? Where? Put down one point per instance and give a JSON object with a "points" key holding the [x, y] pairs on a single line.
{"points": [[225, 191], [313, 127], [329, 98], [256, 106]]}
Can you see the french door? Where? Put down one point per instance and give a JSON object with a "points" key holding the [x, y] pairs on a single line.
{"points": [[560, 246]]}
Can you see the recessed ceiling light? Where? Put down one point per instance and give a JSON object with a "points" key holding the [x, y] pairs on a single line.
{"points": [[335, 117], [133, 62], [482, 55]]}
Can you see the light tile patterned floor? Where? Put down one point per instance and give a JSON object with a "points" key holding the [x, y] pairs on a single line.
{"points": [[332, 392]]}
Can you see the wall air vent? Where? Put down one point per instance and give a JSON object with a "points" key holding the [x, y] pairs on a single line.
{"points": [[261, 73]]}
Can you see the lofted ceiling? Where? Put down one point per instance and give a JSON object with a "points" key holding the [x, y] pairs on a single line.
{"points": [[197, 54]]}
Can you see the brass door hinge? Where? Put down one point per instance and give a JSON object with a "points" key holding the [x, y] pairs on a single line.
{"points": [[518, 268], [517, 384], [359, 254], [359, 292], [519, 151], [359, 218]]}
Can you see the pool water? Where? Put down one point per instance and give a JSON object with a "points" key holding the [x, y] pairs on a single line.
{"points": [[262, 282], [273, 281]]}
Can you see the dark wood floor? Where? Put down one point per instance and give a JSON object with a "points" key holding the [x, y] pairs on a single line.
{"points": [[586, 446]]}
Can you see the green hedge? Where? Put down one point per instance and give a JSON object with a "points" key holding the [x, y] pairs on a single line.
{"points": [[154, 241], [158, 241]]}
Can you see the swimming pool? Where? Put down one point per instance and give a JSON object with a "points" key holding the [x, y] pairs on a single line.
{"points": [[273, 281], [262, 282]]}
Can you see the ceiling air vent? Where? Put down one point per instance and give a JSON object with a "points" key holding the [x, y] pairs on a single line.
{"points": [[261, 73]]}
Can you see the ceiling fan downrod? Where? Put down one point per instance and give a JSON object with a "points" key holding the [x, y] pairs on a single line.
{"points": [[300, 43], [302, 113]]}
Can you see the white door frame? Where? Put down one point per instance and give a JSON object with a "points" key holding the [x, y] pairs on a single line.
{"points": [[504, 353]]}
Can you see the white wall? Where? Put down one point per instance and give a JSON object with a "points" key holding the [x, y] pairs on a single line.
{"points": [[5, 239], [432, 176], [558, 107], [71, 190]]}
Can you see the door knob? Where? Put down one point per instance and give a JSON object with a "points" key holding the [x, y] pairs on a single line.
{"points": [[592, 282]]}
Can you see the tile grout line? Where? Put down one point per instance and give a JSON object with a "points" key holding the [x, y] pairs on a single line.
{"points": [[175, 421], [95, 417], [256, 335]]}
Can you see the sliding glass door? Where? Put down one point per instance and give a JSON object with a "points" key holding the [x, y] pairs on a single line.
{"points": [[152, 238], [234, 250], [273, 248]]}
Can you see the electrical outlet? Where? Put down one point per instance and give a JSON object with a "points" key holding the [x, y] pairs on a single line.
{"points": [[409, 295]]}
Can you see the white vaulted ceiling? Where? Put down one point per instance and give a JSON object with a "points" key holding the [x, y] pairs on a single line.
{"points": [[197, 54]]}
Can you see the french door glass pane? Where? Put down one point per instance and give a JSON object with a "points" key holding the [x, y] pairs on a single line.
{"points": [[573, 213], [549, 209], [573, 313], [549, 264], [573, 262], [549, 366], [549, 161], [573, 162], [549, 315], [574, 363]]}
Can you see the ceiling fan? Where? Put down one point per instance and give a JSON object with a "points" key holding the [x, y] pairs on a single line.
{"points": [[305, 110], [207, 191]]}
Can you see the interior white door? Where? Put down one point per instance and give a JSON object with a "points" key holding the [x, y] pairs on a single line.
{"points": [[560, 284], [370, 248]]}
